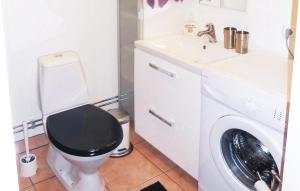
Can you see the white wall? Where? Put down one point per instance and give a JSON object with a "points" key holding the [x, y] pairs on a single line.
{"points": [[166, 20], [7, 163], [293, 24], [35, 28], [265, 20], [292, 155]]}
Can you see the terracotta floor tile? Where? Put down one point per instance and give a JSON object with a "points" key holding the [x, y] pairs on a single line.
{"points": [[34, 142], [52, 184], [44, 172], [152, 154], [164, 180], [183, 179], [134, 137], [120, 174], [23, 181], [31, 188], [134, 171]]}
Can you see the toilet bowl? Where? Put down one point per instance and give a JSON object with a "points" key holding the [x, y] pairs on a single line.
{"points": [[81, 136], [76, 173]]}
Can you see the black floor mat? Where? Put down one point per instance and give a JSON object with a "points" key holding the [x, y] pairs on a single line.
{"points": [[155, 187]]}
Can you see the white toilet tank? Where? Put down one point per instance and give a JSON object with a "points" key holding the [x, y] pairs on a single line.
{"points": [[61, 82]]}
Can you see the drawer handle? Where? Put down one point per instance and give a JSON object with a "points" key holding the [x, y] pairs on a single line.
{"points": [[171, 124], [171, 74]]}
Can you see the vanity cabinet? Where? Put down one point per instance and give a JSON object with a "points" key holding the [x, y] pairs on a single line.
{"points": [[167, 109]]}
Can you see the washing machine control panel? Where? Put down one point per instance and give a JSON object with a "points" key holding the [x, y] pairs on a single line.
{"points": [[251, 101]]}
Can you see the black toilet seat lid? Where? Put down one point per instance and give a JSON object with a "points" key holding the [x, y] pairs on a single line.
{"points": [[84, 131]]}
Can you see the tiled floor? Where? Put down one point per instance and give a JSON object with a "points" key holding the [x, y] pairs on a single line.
{"points": [[143, 167]]}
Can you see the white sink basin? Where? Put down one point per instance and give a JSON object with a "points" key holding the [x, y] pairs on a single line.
{"points": [[193, 48]]}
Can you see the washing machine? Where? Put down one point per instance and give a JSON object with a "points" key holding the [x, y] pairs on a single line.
{"points": [[243, 123]]}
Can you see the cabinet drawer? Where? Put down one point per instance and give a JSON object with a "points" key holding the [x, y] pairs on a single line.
{"points": [[167, 109], [178, 142], [166, 86]]}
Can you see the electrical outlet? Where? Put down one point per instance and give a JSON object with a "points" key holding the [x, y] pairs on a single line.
{"points": [[214, 3]]}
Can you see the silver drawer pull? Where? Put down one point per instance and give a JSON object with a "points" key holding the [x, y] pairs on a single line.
{"points": [[171, 74], [171, 124]]}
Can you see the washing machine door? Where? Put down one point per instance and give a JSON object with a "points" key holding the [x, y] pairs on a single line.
{"points": [[245, 151]]}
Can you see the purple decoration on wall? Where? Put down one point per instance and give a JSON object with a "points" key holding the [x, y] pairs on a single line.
{"points": [[161, 3], [151, 3]]}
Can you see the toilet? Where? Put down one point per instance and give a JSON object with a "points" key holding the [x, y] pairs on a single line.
{"points": [[81, 136]]}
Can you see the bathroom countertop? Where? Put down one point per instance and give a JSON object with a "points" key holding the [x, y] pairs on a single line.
{"points": [[173, 58], [184, 51], [263, 69]]}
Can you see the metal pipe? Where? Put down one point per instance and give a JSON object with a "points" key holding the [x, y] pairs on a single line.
{"points": [[31, 122], [33, 125], [38, 122], [112, 102], [111, 98], [109, 103], [105, 100]]}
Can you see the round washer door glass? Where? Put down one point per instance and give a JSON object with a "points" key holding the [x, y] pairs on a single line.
{"points": [[248, 158]]}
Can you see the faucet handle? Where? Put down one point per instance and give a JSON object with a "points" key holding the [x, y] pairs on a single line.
{"points": [[210, 25], [210, 32]]}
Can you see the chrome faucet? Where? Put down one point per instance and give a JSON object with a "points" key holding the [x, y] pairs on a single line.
{"points": [[210, 32]]}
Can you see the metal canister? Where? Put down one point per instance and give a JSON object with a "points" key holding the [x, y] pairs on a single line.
{"points": [[229, 37], [125, 147], [242, 39]]}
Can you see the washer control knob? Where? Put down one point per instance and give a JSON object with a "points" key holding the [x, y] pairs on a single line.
{"points": [[251, 106]]}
